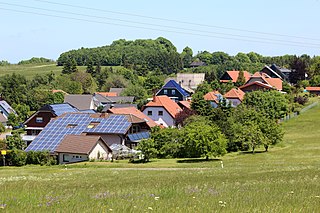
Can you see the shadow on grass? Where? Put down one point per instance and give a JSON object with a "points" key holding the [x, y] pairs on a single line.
{"points": [[140, 161], [196, 160]]}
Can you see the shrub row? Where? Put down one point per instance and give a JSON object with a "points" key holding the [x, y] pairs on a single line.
{"points": [[18, 157]]}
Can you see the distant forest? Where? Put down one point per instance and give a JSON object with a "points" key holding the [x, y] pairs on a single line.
{"points": [[144, 55]]}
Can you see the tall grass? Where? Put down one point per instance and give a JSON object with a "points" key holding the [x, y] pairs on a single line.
{"points": [[285, 179]]}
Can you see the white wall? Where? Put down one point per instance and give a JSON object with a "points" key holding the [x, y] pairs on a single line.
{"points": [[166, 117], [99, 148], [71, 158], [234, 102]]}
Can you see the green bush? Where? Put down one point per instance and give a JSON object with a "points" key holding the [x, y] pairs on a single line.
{"points": [[16, 157]]}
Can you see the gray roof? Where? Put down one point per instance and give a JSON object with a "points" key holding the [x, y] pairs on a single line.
{"points": [[117, 90], [100, 99], [7, 107], [81, 102], [121, 99]]}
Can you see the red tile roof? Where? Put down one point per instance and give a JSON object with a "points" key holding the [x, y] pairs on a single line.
{"points": [[234, 76], [186, 104], [274, 82], [79, 144], [107, 94], [211, 96], [164, 101], [258, 83], [313, 88], [133, 111], [235, 94]]}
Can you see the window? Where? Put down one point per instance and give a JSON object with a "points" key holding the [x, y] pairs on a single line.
{"points": [[149, 112], [93, 125], [160, 113], [71, 125], [65, 158], [173, 92], [39, 119], [165, 91]]}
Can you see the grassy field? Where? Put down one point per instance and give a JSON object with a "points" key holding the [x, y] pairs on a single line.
{"points": [[285, 179], [31, 70]]}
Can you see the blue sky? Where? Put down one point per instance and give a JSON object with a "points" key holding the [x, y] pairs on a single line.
{"points": [[230, 26]]}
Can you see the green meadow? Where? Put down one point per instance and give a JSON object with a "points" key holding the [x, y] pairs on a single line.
{"points": [[285, 179], [30, 70]]}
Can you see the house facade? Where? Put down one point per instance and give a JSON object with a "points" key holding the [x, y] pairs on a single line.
{"points": [[77, 148], [162, 110], [214, 98], [235, 96], [173, 90], [37, 121]]}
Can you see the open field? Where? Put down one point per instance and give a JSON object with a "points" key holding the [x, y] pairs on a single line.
{"points": [[30, 70], [286, 179]]}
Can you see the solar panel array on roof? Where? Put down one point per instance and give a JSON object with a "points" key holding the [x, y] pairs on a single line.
{"points": [[59, 109], [75, 124], [138, 136]]}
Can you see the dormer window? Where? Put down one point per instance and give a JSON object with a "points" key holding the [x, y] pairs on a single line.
{"points": [[71, 125], [173, 92], [165, 91], [93, 125]]}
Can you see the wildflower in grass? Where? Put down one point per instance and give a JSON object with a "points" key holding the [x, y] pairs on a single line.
{"points": [[2, 206], [156, 198], [150, 208], [193, 197], [291, 192], [222, 203], [111, 210]]}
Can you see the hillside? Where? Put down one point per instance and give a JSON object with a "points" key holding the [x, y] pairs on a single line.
{"points": [[286, 179], [30, 70]]}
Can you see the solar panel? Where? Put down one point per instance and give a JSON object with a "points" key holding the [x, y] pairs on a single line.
{"points": [[59, 109], [75, 124], [138, 136]]}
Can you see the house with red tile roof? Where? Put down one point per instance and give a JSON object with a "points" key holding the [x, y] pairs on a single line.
{"points": [[313, 90], [214, 97], [235, 96], [133, 111], [233, 76], [162, 110], [254, 86], [276, 83], [185, 105]]}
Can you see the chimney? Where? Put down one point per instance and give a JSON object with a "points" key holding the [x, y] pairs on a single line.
{"points": [[154, 95]]}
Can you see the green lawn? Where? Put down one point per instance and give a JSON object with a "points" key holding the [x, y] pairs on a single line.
{"points": [[30, 70], [286, 179]]}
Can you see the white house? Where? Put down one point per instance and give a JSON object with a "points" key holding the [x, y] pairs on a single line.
{"points": [[162, 110], [77, 148]]}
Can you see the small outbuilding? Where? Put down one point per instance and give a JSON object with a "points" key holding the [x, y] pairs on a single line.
{"points": [[77, 148]]}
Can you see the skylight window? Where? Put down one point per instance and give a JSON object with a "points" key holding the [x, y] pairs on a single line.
{"points": [[93, 125], [72, 125]]}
